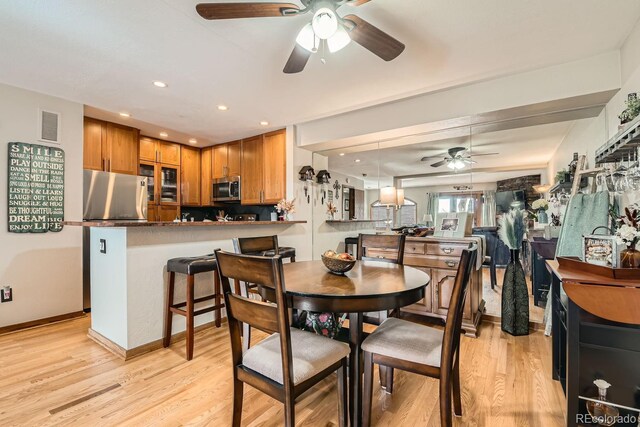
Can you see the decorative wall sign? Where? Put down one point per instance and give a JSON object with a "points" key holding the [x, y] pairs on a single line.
{"points": [[36, 188]]}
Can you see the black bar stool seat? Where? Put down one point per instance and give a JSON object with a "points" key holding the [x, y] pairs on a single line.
{"points": [[190, 266]]}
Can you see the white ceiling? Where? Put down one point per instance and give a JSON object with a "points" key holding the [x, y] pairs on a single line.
{"points": [[519, 150], [106, 54]]}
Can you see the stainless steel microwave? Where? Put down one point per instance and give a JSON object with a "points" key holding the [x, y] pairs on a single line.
{"points": [[226, 189]]}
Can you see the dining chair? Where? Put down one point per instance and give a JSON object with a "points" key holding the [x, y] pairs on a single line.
{"points": [[289, 361], [385, 248], [400, 344]]}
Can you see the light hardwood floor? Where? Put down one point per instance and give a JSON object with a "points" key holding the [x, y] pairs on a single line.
{"points": [[493, 297], [55, 375]]}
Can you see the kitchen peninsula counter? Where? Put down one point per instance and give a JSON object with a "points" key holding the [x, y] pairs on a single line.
{"points": [[129, 273]]}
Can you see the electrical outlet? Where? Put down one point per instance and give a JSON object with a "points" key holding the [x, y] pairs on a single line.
{"points": [[6, 294], [103, 246]]}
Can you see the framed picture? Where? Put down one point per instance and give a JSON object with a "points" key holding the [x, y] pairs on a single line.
{"points": [[600, 250], [346, 204], [453, 224]]}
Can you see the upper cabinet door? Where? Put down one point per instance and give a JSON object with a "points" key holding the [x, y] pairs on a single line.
{"points": [[169, 153], [219, 166], [251, 190], [190, 176], [94, 139], [148, 149], [275, 166], [233, 158], [205, 183], [122, 149]]}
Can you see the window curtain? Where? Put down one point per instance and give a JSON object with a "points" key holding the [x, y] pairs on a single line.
{"points": [[489, 209], [432, 205]]}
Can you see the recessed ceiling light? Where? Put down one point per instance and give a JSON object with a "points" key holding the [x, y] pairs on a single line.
{"points": [[164, 134], [223, 107], [193, 141], [342, 154], [357, 160], [264, 123], [158, 83], [123, 114]]}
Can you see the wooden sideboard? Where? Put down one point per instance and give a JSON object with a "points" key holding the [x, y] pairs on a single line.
{"points": [[439, 257]]}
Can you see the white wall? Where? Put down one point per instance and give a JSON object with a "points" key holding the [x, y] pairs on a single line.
{"points": [[45, 270], [587, 135]]}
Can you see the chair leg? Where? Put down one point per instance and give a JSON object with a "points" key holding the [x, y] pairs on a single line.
{"points": [[367, 392], [216, 289], [445, 399], [246, 329], [343, 400], [169, 314], [289, 412], [189, 310], [389, 380], [237, 402], [457, 401], [293, 259], [492, 272]]}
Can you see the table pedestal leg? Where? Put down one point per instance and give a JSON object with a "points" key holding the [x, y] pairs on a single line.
{"points": [[355, 368]]}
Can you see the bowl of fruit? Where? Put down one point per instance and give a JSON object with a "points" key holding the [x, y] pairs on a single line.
{"points": [[338, 263]]}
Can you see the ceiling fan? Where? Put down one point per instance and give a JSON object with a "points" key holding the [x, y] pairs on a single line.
{"points": [[455, 158], [326, 27]]}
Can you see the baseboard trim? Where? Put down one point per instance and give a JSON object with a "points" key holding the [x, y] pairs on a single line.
{"points": [[145, 348], [40, 322]]}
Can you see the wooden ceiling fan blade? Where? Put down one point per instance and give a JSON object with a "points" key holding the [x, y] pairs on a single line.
{"points": [[440, 163], [374, 39], [297, 61], [483, 154], [453, 152], [357, 2], [439, 156], [245, 10]]}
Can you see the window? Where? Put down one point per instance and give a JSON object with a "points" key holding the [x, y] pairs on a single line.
{"points": [[406, 215]]}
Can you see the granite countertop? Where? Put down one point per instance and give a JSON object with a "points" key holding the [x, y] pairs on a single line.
{"points": [[108, 223]]}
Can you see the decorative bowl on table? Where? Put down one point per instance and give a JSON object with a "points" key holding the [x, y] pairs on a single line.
{"points": [[338, 263]]}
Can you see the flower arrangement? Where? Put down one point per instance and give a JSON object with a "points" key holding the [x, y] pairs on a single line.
{"points": [[286, 206], [331, 209], [540, 204], [512, 228], [628, 231]]}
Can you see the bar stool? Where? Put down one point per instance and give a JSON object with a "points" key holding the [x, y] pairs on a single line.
{"points": [[190, 266]]}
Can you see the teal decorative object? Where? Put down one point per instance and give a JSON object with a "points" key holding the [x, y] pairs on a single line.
{"points": [[515, 295], [515, 298], [542, 216]]}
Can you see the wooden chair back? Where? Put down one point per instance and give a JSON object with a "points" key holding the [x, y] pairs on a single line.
{"points": [[247, 245], [391, 247], [451, 339], [266, 316]]}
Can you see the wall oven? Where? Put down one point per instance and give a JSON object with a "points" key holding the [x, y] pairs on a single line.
{"points": [[226, 189]]}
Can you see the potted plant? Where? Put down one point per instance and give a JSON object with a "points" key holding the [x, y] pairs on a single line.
{"points": [[286, 209], [515, 295], [628, 234], [632, 111], [539, 208]]}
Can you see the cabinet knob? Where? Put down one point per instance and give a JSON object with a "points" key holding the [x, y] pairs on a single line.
{"points": [[451, 263], [447, 250]]}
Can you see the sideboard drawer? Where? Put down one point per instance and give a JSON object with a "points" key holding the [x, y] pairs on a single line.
{"points": [[446, 249], [414, 248], [430, 261]]}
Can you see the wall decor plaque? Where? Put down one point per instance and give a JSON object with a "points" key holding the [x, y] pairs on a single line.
{"points": [[36, 188]]}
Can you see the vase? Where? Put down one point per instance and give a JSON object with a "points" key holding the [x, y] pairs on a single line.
{"points": [[515, 298], [630, 258], [288, 216], [542, 216]]}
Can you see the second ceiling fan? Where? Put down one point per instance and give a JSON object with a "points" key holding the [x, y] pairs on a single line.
{"points": [[326, 27], [455, 158]]}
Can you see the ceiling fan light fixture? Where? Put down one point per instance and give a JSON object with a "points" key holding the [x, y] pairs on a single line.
{"points": [[339, 40], [456, 164], [324, 23], [308, 39]]}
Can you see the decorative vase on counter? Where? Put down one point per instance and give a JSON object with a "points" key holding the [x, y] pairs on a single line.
{"points": [[288, 216], [515, 298], [630, 258], [543, 218]]}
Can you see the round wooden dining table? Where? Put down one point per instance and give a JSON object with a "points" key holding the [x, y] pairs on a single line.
{"points": [[370, 286]]}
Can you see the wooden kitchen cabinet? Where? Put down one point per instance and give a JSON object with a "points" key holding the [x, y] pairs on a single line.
{"points": [[110, 147], [226, 160], [206, 176], [439, 257], [154, 150], [264, 168], [252, 171], [190, 176], [152, 213], [168, 213]]}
